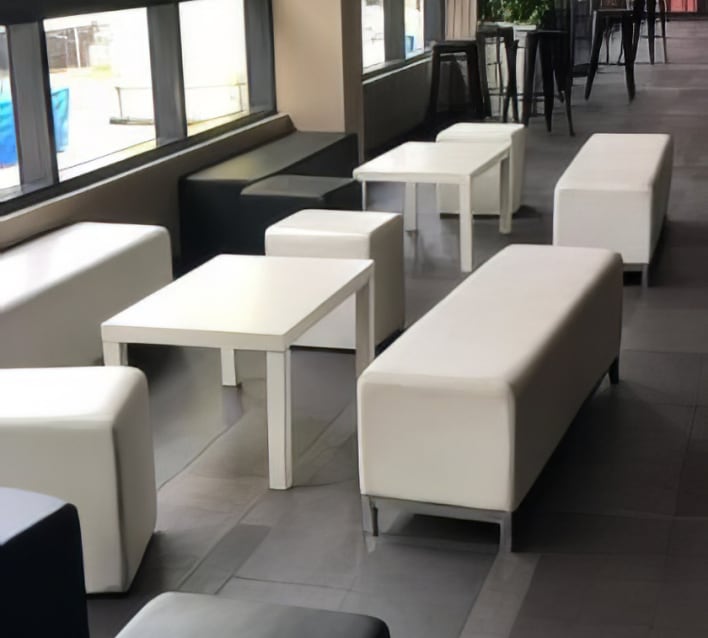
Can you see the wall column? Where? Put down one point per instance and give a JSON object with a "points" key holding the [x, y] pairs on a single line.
{"points": [[318, 64]]}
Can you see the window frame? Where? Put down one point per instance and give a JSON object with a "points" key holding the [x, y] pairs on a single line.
{"points": [[37, 150], [394, 36]]}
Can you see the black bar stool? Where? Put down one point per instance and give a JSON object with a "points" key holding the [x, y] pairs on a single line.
{"points": [[448, 50], [503, 34], [554, 48], [603, 20], [648, 8]]}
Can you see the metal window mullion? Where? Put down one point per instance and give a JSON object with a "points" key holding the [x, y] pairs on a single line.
{"points": [[433, 20], [394, 29], [167, 73], [32, 103], [260, 62]]}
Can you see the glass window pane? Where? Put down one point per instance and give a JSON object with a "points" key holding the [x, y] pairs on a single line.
{"points": [[214, 62], [9, 170], [99, 70], [372, 31], [415, 38]]}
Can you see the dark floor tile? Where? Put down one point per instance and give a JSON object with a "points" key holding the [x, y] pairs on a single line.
{"points": [[682, 605], [659, 377], [593, 534], [688, 536]]}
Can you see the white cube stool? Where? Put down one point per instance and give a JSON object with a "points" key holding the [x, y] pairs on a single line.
{"points": [[348, 234], [614, 195], [83, 435], [485, 195]]}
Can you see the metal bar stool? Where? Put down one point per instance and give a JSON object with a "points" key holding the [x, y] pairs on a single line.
{"points": [[504, 34], [448, 50], [553, 46], [603, 21]]}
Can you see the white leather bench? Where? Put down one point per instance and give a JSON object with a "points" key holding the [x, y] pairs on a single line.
{"points": [[460, 414], [83, 435], [614, 195], [57, 289], [485, 194]]}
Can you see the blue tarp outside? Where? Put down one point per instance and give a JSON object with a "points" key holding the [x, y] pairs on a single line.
{"points": [[60, 111]]}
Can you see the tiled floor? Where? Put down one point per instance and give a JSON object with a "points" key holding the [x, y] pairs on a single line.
{"points": [[613, 535]]}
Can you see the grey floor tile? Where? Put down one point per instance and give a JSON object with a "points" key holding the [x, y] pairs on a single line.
{"points": [[688, 536], [411, 616], [315, 540], [659, 377], [682, 605], [284, 593], [422, 571], [224, 559], [594, 534], [703, 383]]}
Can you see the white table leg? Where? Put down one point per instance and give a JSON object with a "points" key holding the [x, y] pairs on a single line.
{"points": [[410, 206], [363, 196], [466, 234], [504, 197], [364, 326], [115, 354], [279, 406], [229, 371]]}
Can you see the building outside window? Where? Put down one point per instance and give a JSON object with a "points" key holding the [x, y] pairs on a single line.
{"points": [[214, 62], [99, 72], [414, 27], [372, 28], [9, 170]]}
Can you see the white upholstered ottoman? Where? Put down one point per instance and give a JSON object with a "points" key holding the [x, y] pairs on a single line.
{"points": [[460, 414], [614, 195], [348, 234], [83, 435], [57, 289], [485, 195]]}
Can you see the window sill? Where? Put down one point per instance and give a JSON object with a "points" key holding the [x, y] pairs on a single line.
{"points": [[371, 72]]}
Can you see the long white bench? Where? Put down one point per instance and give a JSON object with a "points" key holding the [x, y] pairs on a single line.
{"points": [[460, 414], [614, 195], [57, 289]]}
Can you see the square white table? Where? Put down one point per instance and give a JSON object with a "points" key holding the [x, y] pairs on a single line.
{"points": [[429, 162], [246, 302]]}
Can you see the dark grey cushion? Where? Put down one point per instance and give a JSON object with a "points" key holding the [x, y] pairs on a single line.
{"points": [[176, 615], [296, 186], [275, 157], [42, 591]]}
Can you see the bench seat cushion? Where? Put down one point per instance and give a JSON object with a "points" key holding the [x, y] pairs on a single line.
{"points": [[614, 195], [296, 153], [57, 289], [467, 405], [174, 615]]}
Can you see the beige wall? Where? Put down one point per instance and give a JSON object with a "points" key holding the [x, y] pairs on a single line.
{"points": [[147, 195], [460, 19], [318, 63]]}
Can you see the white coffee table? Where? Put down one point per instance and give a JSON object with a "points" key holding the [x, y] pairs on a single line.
{"points": [[428, 162], [246, 302]]}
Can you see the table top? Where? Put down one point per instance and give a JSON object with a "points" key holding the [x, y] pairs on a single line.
{"points": [[241, 302], [432, 162]]}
